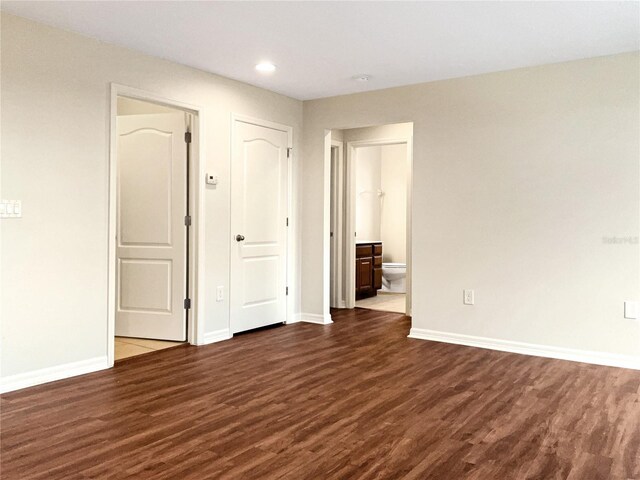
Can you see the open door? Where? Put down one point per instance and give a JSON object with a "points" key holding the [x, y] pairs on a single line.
{"points": [[151, 245]]}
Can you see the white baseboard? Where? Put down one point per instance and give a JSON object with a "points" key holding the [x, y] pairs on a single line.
{"points": [[585, 356], [216, 336], [312, 318], [50, 374]]}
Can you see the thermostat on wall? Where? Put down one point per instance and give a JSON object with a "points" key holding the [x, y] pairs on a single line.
{"points": [[212, 179]]}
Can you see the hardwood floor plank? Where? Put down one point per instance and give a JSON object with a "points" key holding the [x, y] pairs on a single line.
{"points": [[355, 400]]}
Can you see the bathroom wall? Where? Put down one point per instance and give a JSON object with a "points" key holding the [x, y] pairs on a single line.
{"points": [[393, 215], [382, 170], [368, 169]]}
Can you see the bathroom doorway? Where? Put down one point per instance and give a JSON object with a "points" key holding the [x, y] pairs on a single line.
{"points": [[370, 221]]}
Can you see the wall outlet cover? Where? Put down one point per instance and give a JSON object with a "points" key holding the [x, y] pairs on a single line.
{"points": [[10, 208], [468, 297], [631, 309]]}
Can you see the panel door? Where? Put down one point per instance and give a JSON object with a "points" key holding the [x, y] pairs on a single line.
{"points": [[151, 234], [259, 186]]}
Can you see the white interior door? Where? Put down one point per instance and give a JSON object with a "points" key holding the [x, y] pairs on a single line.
{"points": [[151, 232], [258, 226]]}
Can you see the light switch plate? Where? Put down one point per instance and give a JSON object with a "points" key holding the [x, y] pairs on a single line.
{"points": [[631, 309], [219, 294], [10, 208]]}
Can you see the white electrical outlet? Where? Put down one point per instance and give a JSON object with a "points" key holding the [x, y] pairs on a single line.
{"points": [[10, 208], [219, 294], [631, 309], [468, 297]]}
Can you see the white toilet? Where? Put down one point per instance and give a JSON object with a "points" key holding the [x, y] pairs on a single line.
{"points": [[394, 277]]}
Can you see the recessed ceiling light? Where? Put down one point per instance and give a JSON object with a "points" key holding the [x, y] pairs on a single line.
{"points": [[363, 77], [266, 67]]}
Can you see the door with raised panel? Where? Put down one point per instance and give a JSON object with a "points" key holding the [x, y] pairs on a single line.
{"points": [[259, 187], [151, 233]]}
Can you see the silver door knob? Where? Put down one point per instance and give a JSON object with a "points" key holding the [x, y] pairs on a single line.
{"points": [[239, 238]]}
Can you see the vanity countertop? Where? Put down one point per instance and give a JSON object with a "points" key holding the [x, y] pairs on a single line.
{"points": [[367, 242]]}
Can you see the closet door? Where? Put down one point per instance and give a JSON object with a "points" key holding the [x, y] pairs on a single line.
{"points": [[259, 185]]}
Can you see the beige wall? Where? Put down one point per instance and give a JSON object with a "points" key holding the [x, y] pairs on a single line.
{"points": [[517, 177], [130, 106], [55, 118], [378, 132]]}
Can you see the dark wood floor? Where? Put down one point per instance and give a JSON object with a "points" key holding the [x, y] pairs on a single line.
{"points": [[356, 399]]}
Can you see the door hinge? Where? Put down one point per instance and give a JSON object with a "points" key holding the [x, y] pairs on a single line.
{"points": [[187, 137], [187, 303], [289, 152], [187, 220], [287, 221], [287, 291]]}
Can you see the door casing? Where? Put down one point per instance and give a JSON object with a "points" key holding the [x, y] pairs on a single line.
{"points": [[337, 224], [196, 268]]}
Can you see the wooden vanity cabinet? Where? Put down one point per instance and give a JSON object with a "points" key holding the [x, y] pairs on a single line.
{"points": [[368, 269]]}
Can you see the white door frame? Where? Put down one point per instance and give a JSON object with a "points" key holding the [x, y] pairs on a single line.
{"points": [[290, 269], [350, 196], [337, 271], [195, 327]]}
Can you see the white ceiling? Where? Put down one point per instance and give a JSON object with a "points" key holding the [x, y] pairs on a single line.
{"points": [[319, 46]]}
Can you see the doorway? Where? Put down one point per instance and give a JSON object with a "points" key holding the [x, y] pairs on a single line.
{"points": [[152, 255], [372, 267]]}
